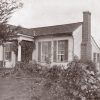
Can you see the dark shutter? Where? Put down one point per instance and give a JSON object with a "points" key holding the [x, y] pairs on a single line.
{"points": [[66, 50], [99, 57], [39, 51], [49, 50], [55, 51]]}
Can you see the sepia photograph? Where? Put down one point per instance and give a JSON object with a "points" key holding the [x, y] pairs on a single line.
{"points": [[49, 50]]}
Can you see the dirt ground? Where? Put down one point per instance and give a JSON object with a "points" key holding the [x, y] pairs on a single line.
{"points": [[20, 89]]}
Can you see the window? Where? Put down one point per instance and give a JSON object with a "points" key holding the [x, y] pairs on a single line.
{"points": [[44, 51], [59, 54], [8, 52], [60, 51], [96, 57]]}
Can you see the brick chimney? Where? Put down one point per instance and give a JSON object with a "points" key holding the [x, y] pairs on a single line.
{"points": [[86, 48]]}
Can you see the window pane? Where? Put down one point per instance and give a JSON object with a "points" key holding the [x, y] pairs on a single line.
{"points": [[61, 52], [61, 45], [8, 51], [8, 47], [46, 51], [8, 55], [60, 58]]}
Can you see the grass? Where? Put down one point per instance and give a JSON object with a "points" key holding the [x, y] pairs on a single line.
{"points": [[20, 89]]}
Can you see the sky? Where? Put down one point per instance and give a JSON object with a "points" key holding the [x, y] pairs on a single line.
{"points": [[39, 13]]}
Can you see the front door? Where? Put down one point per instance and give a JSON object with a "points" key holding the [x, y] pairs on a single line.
{"points": [[27, 50]]}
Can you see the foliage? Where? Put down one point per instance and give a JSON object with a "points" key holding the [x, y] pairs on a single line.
{"points": [[15, 46], [54, 73], [31, 69], [7, 7], [27, 50], [76, 82]]}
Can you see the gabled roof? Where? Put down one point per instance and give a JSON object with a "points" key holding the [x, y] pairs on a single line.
{"points": [[57, 29], [48, 30]]}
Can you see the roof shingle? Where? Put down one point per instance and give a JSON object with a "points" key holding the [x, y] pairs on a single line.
{"points": [[57, 29], [48, 30]]}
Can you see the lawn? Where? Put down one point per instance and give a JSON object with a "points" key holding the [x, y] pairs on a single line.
{"points": [[20, 89]]}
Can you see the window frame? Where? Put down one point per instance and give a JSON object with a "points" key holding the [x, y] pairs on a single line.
{"points": [[52, 50], [57, 54], [41, 56], [7, 52], [60, 54]]}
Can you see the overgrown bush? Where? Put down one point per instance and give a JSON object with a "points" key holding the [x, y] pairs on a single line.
{"points": [[78, 81], [53, 73], [32, 69]]}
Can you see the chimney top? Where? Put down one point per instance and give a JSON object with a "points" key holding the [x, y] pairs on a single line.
{"points": [[87, 12]]}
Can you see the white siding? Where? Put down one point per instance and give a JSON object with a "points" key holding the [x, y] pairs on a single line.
{"points": [[1, 53], [77, 38]]}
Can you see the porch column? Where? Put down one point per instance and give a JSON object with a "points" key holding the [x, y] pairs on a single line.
{"points": [[19, 51]]}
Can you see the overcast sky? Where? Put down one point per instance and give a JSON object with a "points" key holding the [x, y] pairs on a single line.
{"points": [[37, 13]]}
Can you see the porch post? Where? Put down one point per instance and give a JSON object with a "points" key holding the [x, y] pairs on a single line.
{"points": [[19, 51]]}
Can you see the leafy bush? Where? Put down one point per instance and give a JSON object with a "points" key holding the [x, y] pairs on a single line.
{"points": [[53, 73], [78, 81], [32, 69]]}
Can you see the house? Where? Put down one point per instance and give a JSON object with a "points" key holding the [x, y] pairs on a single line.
{"points": [[57, 44]]}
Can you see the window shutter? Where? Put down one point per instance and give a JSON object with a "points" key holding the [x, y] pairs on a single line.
{"points": [[99, 57], [66, 50], [49, 50], [55, 51], [39, 51]]}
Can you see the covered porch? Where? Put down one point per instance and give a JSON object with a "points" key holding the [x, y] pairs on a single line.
{"points": [[22, 47]]}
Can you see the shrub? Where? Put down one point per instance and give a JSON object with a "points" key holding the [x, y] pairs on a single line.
{"points": [[1, 64], [76, 81], [31, 69], [54, 73]]}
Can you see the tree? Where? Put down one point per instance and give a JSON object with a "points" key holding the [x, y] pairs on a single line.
{"points": [[7, 8]]}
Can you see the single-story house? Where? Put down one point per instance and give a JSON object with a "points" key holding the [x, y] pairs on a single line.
{"points": [[57, 44]]}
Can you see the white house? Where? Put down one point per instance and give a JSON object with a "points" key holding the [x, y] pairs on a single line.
{"points": [[53, 44]]}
